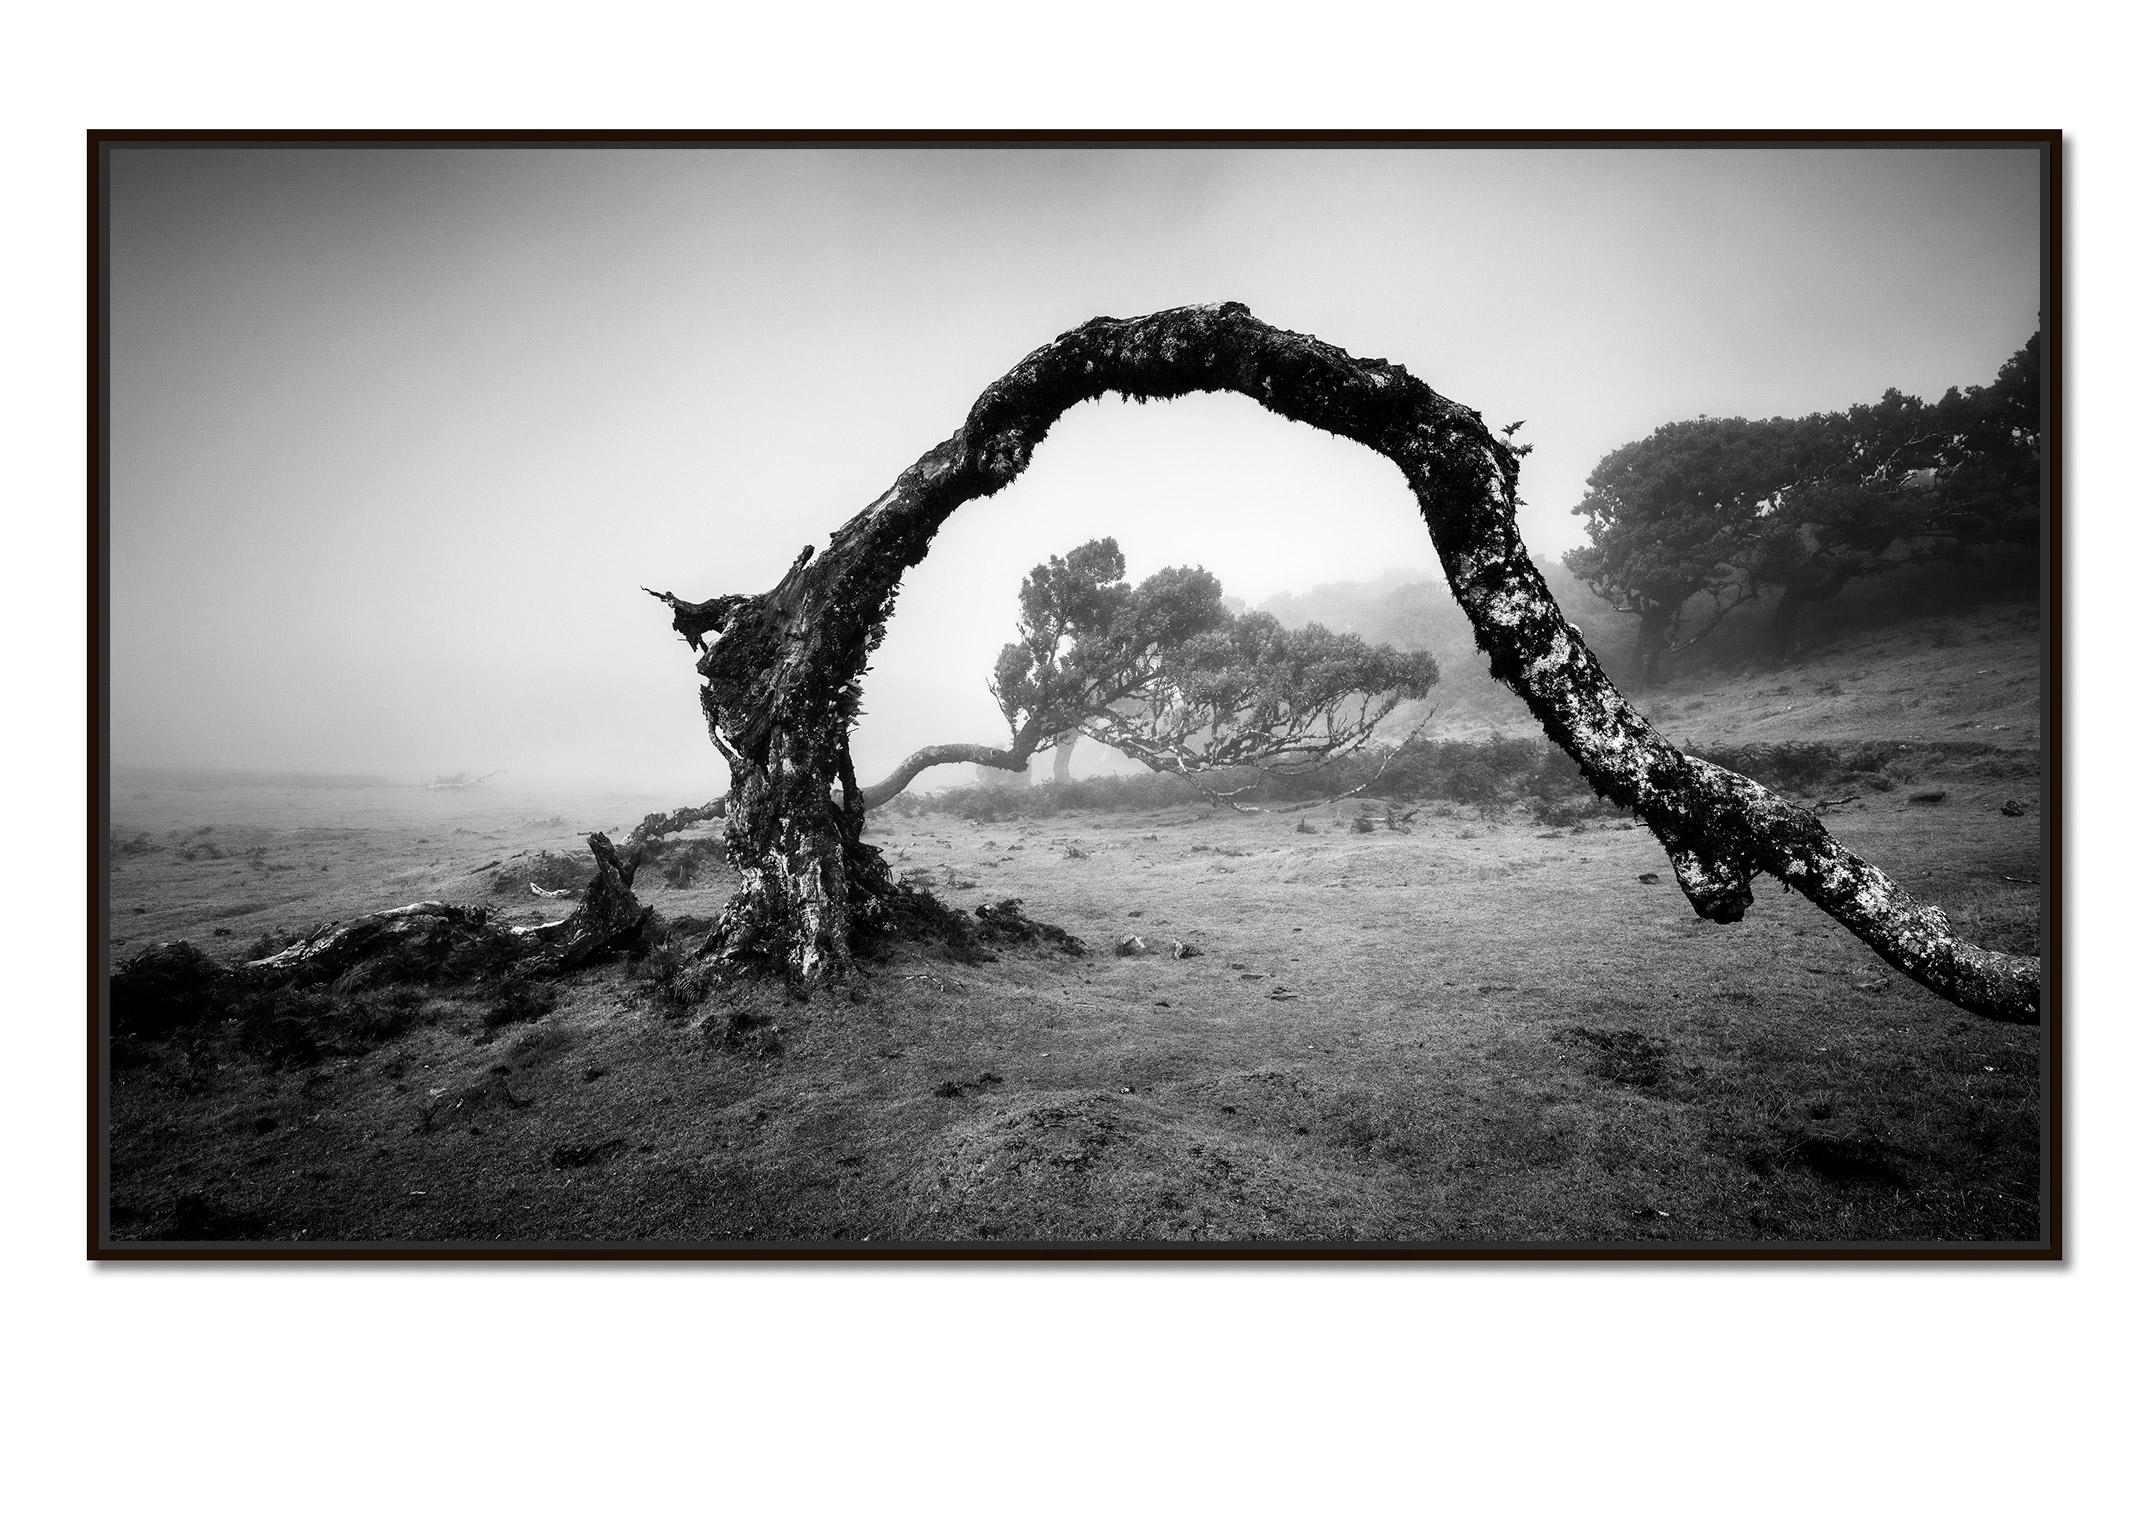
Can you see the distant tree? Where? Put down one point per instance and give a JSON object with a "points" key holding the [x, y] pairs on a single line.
{"points": [[1084, 638], [1251, 694], [1862, 503], [1902, 481], [1671, 518], [1725, 510], [1991, 469], [1164, 672]]}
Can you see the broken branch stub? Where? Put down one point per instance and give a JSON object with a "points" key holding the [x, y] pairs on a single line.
{"points": [[780, 670]]}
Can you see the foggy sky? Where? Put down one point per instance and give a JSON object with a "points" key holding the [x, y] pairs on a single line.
{"points": [[400, 432]]}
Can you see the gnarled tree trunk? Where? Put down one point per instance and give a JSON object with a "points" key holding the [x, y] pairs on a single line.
{"points": [[780, 669]]}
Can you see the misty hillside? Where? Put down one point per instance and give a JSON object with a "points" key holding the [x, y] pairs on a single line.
{"points": [[1929, 655], [1414, 610]]}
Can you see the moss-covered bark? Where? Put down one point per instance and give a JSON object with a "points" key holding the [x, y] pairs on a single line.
{"points": [[780, 669]]}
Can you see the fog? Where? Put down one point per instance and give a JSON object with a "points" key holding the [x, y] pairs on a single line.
{"points": [[399, 433]]}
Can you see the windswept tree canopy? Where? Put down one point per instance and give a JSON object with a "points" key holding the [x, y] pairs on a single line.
{"points": [[1990, 470], [1163, 672], [1862, 497], [1086, 638], [1673, 517], [1252, 694], [1731, 509]]}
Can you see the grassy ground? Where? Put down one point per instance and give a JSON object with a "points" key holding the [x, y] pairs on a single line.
{"points": [[1466, 1029]]}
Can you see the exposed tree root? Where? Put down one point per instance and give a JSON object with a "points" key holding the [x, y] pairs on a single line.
{"points": [[172, 988], [1005, 920]]}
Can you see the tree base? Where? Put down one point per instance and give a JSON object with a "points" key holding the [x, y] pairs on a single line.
{"points": [[753, 938]]}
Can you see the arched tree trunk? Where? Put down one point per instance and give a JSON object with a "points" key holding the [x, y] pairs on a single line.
{"points": [[780, 669], [1062, 754]]}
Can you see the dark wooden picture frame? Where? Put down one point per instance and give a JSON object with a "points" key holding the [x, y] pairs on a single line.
{"points": [[227, 1058]]}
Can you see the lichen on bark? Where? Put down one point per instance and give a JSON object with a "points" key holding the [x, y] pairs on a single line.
{"points": [[780, 670]]}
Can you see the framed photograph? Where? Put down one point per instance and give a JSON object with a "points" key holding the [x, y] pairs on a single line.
{"points": [[1120, 695]]}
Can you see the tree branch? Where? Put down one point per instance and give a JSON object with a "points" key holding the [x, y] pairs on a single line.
{"points": [[1013, 759]]}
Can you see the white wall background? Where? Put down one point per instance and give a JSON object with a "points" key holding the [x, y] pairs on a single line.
{"points": [[1284, 1399]]}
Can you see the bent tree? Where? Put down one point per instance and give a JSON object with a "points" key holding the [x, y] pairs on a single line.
{"points": [[1670, 520], [1254, 696], [780, 670], [1085, 638], [1164, 673]]}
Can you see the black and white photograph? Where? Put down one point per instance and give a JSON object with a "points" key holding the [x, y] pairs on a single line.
{"points": [[840, 696]]}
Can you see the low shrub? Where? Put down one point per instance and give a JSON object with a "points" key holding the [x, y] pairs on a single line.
{"points": [[298, 1027], [272, 941], [164, 991], [1491, 772], [685, 863], [1556, 777], [666, 974], [1487, 772], [1566, 812], [516, 999], [1013, 802], [1789, 766]]}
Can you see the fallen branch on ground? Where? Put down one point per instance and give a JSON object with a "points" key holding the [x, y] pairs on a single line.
{"points": [[171, 986]]}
